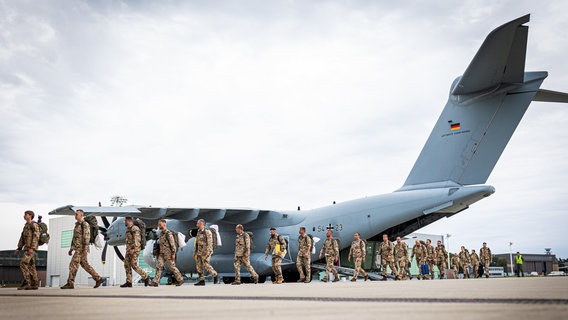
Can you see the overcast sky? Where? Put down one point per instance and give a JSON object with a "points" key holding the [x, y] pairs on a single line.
{"points": [[265, 104]]}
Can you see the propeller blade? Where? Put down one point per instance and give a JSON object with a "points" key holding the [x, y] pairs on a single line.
{"points": [[105, 221], [103, 256], [118, 253]]}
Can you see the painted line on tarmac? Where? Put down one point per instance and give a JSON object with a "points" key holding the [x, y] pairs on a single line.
{"points": [[314, 299]]}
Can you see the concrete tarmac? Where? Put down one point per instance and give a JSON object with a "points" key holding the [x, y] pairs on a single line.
{"points": [[495, 298]]}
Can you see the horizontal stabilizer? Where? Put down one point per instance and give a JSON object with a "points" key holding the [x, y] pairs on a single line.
{"points": [[550, 96], [500, 59]]}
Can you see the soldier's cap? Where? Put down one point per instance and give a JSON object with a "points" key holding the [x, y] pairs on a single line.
{"points": [[272, 229]]}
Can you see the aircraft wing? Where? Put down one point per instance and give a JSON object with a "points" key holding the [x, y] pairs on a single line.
{"points": [[235, 216]]}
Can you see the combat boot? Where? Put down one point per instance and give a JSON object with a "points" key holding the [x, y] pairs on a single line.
{"points": [[153, 284], [179, 283], [24, 283], [147, 281], [216, 279], [68, 286], [26, 287], [353, 279], [308, 280], [100, 281], [366, 277], [335, 279], [301, 280], [279, 281], [235, 283], [255, 279], [199, 283], [126, 285]]}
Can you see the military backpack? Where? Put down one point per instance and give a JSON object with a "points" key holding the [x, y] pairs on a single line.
{"points": [[142, 226], [43, 235], [94, 227]]}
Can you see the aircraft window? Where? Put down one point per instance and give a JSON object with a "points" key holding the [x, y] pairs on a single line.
{"points": [[314, 229]]}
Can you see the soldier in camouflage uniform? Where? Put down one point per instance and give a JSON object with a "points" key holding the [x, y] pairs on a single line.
{"points": [[29, 244], [420, 252], [331, 251], [80, 243], [387, 257], [203, 252], [242, 255], [167, 255], [441, 258], [475, 263], [133, 247], [304, 250], [401, 256], [358, 251], [456, 264], [486, 258], [277, 256], [430, 257], [465, 260]]}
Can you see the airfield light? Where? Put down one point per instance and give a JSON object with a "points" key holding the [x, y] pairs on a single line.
{"points": [[511, 257]]}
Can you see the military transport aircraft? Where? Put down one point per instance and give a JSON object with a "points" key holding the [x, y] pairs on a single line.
{"points": [[484, 107]]}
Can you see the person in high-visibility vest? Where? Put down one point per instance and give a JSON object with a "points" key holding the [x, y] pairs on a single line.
{"points": [[519, 261]]}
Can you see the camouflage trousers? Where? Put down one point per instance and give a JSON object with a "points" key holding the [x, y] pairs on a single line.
{"points": [[419, 261], [276, 268], [330, 267], [475, 269], [465, 268], [246, 262], [358, 262], [486, 263], [80, 258], [203, 264], [456, 270], [401, 264], [28, 267], [131, 262], [306, 261], [390, 262], [431, 264], [441, 263], [171, 265]]}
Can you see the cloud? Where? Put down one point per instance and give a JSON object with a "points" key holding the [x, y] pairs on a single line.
{"points": [[256, 104]]}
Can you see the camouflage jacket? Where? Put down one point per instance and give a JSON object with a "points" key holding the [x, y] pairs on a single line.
{"points": [[133, 238], [30, 236], [441, 253], [358, 249], [430, 252], [474, 258], [401, 250], [242, 244], [387, 249], [304, 245], [330, 248], [419, 251], [167, 243], [204, 242], [272, 242], [455, 260], [485, 254], [81, 235], [464, 257]]}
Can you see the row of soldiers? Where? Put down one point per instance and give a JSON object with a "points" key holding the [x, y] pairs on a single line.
{"points": [[393, 255], [396, 257]]}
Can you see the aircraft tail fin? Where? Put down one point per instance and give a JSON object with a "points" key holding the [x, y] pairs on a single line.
{"points": [[485, 106]]}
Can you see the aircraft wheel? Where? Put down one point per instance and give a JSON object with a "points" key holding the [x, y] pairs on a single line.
{"points": [[228, 280]]}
